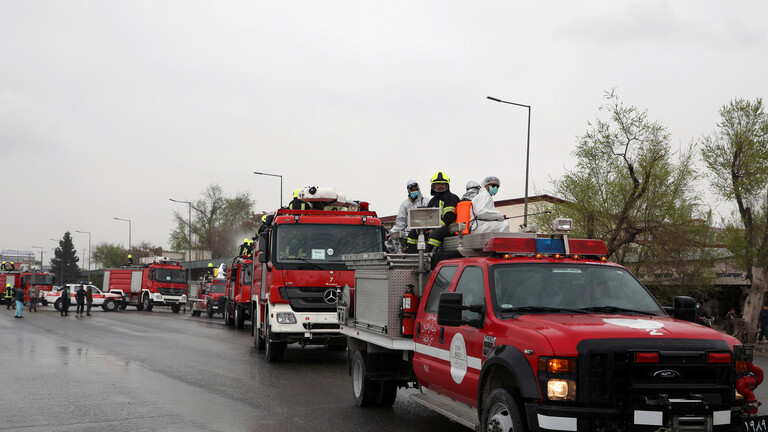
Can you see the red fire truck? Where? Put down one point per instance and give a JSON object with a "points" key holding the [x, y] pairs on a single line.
{"points": [[237, 303], [519, 332], [161, 283], [209, 297], [298, 270], [25, 279]]}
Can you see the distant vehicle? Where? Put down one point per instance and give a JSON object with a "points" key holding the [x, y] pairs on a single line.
{"points": [[25, 279], [108, 302], [161, 283], [210, 298]]}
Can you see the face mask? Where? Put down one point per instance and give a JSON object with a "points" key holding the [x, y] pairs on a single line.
{"points": [[414, 194], [492, 190]]}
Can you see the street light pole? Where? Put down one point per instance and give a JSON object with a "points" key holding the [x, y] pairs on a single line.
{"points": [[527, 154], [189, 225], [89, 252], [281, 183], [129, 231], [41, 256]]}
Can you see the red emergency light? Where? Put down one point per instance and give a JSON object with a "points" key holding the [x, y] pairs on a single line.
{"points": [[718, 357], [646, 357], [587, 247], [513, 245]]}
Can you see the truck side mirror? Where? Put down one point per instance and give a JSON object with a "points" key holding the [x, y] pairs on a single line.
{"points": [[684, 309], [449, 309], [263, 247]]}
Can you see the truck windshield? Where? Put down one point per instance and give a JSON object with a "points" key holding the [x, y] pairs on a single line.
{"points": [[217, 288], [543, 288], [313, 245], [41, 279], [170, 275]]}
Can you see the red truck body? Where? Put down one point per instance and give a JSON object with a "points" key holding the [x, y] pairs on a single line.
{"points": [[25, 279], [237, 306], [543, 334], [298, 271], [161, 283]]}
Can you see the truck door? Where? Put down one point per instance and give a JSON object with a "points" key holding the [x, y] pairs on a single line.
{"points": [[465, 342], [429, 338]]}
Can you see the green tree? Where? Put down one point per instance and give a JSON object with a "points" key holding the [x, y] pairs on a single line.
{"points": [[64, 263], [109, 255], [628, 186], [219, 223], [736, 155]]}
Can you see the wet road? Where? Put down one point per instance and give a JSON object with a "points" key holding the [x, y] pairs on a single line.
{"points": [[139, 371]]}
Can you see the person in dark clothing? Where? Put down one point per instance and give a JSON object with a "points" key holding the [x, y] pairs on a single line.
{"points": [[243, 248], [8, 296], [88, 300], [66, 300], [701, 316], [80, 299], [297, 204], [763, 321], [730, 317], [442, 198], [18, 295]]}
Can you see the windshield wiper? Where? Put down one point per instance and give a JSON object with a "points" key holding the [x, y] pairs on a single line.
{"points": [[308, 262], [614, 309], [533, 309]]}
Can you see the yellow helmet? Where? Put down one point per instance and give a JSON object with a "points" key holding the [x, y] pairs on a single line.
{"points": [[129, 256], [296, 193], [210, 265], [264, 218], [440, 177], [245, 240]]}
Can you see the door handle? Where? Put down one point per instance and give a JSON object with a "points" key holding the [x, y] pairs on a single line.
{"points": [[442, 332], [418, 330]]}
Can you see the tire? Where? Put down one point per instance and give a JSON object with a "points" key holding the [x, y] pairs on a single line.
{"points": [[387, 394], [228, 320], [175, 308], [44, 302], [365, 391], [209, 309], [146, 303], [258, 340], [110, 306], [274, 350], [239, 319], [57, 305], [501, 412], [123, 304]]}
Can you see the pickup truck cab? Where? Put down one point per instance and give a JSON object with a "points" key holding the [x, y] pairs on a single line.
{"points": [[527, 333]]}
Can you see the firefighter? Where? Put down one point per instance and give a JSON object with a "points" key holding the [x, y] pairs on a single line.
{"points": [[442, 198], [130, 260], [243, 248], [485, 218], [11, 266], [3, 266], [297, 204], [8, 295], [209, 272]]}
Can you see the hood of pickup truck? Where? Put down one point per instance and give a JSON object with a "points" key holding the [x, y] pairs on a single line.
{"points": [[565, 331]]}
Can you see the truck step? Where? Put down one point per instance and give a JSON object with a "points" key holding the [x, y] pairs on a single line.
{"points": [[456, 411]]}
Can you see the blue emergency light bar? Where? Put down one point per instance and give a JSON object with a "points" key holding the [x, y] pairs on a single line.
{"points": [[550, 246]]}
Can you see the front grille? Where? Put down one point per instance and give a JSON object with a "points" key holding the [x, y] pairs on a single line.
{"points": [[308, 299], [608, 374], [321, 326], [172, 291]]}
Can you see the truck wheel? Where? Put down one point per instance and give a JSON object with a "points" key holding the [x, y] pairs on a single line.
{"points": [[258, 341], [175, 308], [146, 303], [239, 318], [388, 394], [274, 350], [228, 320], [57, 305], [44, 302], [365, 391], [209, 309], [500, 412], [109, 306], [123, 304]]}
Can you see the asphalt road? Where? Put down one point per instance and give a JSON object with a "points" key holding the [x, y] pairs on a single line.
{"points": [[141, 371]]}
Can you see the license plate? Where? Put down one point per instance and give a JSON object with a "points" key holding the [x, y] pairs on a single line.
{"points": [[755, 424]]}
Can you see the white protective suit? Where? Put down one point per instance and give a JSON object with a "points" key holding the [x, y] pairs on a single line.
{"points": [[401, 221], [485, 218]]}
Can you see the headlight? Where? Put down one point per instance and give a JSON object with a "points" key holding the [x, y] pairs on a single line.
{"points": [[158, 296], [560, 389], [286, 318]]}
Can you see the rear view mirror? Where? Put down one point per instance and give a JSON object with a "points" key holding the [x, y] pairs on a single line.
{"points": [[449, 309], [684, 309]]}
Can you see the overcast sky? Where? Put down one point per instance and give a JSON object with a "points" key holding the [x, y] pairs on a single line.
{"points": [[110, 108]]}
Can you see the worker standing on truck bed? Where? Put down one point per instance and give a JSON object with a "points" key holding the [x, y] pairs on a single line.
{"points": [[486, 218], [444, 199]]}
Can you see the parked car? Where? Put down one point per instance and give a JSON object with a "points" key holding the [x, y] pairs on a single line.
{"points": [[108, 302]]}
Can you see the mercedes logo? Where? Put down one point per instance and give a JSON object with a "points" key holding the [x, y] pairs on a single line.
{"points": [[330, 296]]}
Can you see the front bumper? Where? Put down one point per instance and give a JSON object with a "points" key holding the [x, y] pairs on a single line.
{"points": [[308, 325], [160, 299], [641, 418]]}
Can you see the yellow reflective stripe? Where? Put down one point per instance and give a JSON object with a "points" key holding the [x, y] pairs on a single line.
{"points": [[434, 242], [411, 241], [449, 209]]}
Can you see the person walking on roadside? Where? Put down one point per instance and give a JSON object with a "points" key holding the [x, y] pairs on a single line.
{"points": [[18, 295], [763, 321], [66, 300], [88, 300], [80, 299], [730, 317], [8, 296], [32, 293]]}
